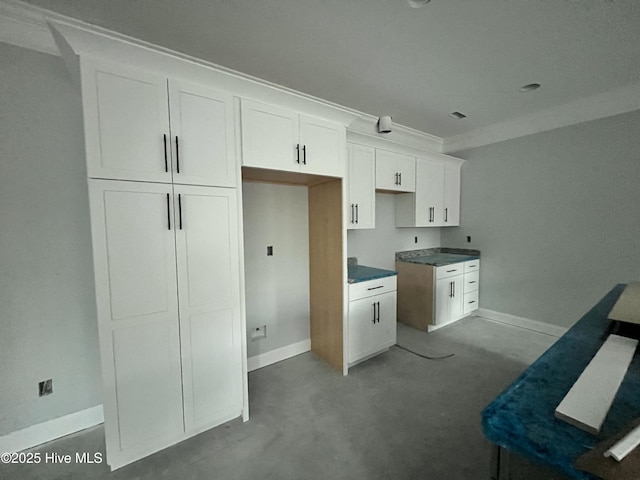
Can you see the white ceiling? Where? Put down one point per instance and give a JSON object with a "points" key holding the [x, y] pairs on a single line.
{"points": [[382, 57]]}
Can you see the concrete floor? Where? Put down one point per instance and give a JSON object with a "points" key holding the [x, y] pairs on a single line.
{"points": [[394, 416]]}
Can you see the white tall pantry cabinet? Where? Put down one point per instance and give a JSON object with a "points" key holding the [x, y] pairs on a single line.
{"points": [[164, 215]]}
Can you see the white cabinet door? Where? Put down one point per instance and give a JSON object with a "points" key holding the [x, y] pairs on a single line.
{"points": [[430, 197], [126, 116], [395, 172], [361, 322], [270, 137], [452, 195], [449, 298], [384, 330], [456, 305], [406, 173], [202, 136], [362, 187], [209, 299], [323, 147], [137, 306]]}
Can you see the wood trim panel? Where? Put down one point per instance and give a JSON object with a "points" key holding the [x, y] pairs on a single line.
{"points": [[326, 283], [415, 294]]}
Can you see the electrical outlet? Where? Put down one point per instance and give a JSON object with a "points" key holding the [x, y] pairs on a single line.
{"points": [[258, 333], [269, 251], [45, 387]]}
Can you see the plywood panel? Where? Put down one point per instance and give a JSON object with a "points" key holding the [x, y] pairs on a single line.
{"points": [[589, 399], [415, 294], [326, 282]]}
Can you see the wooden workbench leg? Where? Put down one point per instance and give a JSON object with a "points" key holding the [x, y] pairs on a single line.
{"points": [[499, 468]]}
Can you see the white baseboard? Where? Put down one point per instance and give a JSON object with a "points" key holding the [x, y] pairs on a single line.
{"points": [[526, 323], [51, 430], [274, 356]]}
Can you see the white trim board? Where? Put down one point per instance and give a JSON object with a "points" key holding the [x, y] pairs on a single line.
{"points": [[588, 401], [526, 323], [51, 430], [277, 355]]}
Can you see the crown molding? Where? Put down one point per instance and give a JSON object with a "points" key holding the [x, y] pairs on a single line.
{"points": [[364, 130], [25, 26], [607, 104]]}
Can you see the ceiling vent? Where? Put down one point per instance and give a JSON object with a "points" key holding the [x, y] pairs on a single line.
{"points": [[458, 115]]}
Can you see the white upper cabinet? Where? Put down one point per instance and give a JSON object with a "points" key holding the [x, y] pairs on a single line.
{"points": [[361, 212], [279, 139], [451, 195], [141, 126], [395, 172], [202, 130], [436, 201]]}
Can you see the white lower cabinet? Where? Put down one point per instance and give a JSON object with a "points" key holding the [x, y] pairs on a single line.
{"points": [[431, 297], [372, 317], [167, 289]]}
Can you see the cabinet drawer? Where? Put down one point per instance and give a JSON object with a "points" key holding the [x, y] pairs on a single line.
{"points": [[470, 302], [372, 287], [471, 281], [447, 271], [471, 266]]}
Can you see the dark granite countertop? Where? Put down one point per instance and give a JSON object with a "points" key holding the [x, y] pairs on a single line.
{"points": [[438, 257], [360, 273]]}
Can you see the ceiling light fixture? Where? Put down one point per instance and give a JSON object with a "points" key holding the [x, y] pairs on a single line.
{"points": [[530, 87], [458, 115], [417, 3]]}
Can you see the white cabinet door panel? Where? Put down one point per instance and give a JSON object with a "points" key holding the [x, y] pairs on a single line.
{"points": [[361, 319], [270, 136], [386, 171], [407, 173], [207, 259], [323, 146], [140, 249], [430, 197], [452, 195], [137, 306], [362, 187], [384, 330], [148, 383], [126, 116], [202, 121]]}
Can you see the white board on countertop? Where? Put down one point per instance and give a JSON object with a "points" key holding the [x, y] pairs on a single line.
{"points": [[627, 308], [588, 401]]}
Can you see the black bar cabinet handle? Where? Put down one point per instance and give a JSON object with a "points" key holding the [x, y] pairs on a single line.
{"points": [[168, 213], [374, 312], [446, 214], [304, 154], [378, 312], [400, 178], [177, 155], [166, 162], [356, 213], [297, 153], [180, 209], [352, 213]]}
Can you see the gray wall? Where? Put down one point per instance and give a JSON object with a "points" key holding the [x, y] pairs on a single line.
{"points": [[277, 287], [48, 323], [556, 216], [377, 247]]}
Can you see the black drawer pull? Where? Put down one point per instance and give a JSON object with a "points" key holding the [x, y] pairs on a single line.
{"points": [[375, 288]]}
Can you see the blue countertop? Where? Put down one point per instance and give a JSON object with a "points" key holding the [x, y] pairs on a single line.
{"points": [[521, 418], [360, 273]]}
